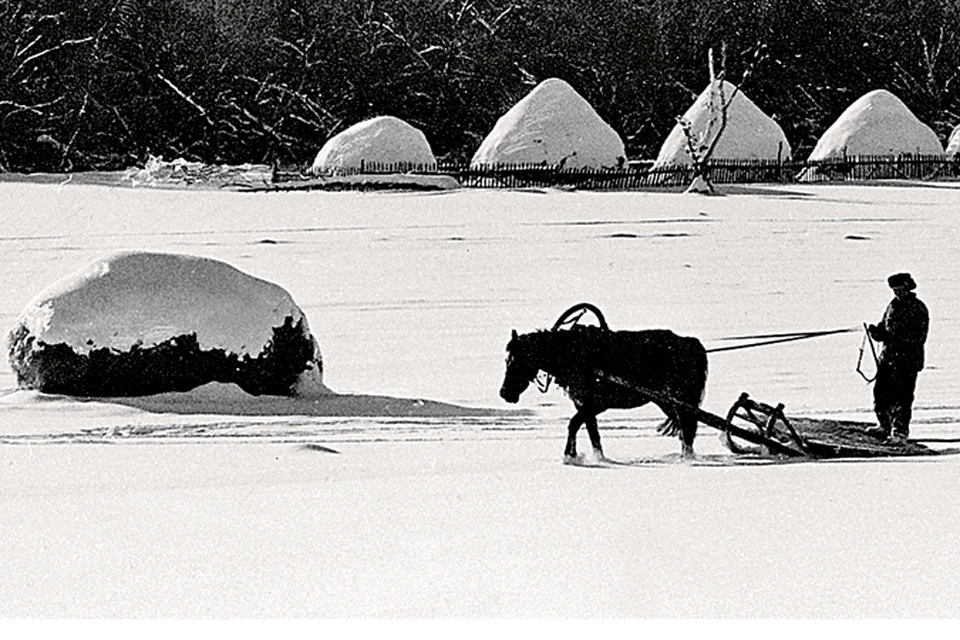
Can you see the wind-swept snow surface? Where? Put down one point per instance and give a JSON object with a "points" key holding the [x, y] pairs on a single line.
{"points": [[380, 140], [750, 134], [216, 503], [877, 124], [134, 323], [552, 125]]}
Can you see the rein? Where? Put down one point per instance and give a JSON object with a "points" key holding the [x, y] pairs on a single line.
{"points": [[873, 351], [777, 338]]}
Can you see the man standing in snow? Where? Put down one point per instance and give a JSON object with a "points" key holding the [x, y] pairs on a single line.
{"points": [[903, 330]]}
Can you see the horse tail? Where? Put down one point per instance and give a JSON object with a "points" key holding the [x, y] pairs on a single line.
{"points": [[698, 389], [702, 371], [691, 390], [694, 372]]}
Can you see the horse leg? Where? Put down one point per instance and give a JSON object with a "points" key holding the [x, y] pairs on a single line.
{"points": [[688, 433], [570, 453], [594, 431], [682, 421]]}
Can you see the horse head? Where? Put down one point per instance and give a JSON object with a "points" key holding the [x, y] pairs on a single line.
{"points": [[520, 370]]}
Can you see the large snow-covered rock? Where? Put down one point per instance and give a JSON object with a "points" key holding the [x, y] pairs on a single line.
{"points": [[552, 125], [749, 134], [139, 323], [953, 144], [381, 140], [877, 124]]}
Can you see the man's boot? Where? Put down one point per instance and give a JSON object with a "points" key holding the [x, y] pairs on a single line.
{"points": [[899, 425], [882, 430]]}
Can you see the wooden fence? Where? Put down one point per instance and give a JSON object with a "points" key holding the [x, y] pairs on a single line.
{"points": [[642, 175]]}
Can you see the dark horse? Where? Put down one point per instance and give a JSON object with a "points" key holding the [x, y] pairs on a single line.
{"points": [[658, 360]]}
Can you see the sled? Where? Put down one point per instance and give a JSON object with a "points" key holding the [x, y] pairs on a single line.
{"points": [[814, 437], [774, 433]]}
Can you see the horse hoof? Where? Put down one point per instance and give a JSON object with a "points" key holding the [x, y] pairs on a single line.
{"points": [[687, 453], [569, 459]]}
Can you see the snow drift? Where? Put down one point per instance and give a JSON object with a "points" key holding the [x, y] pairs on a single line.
{"points": [[382, 140], [181, 173], [750, 134], [877, 124], [552, 125], [137, 323]]}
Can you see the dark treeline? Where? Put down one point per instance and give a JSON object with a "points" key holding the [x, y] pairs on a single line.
{"points": [[104, 83]]}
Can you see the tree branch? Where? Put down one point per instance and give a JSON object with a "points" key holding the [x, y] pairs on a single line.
{"points": [[54, 49], [185, 97]]}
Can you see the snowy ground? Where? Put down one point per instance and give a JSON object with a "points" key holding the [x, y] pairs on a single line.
{"points": [[377, 504]]}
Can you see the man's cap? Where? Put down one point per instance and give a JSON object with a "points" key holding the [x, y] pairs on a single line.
{"points": [[901, 280]]}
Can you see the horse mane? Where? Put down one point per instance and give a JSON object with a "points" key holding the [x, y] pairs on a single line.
{"points": [[577, 336], [561, 352], [582, 331]]}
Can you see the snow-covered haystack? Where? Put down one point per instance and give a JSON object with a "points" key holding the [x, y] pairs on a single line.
{"points": [[749, 134], [877, 124], [552, 125], [953, 144], [383, 140], [135, 324]]}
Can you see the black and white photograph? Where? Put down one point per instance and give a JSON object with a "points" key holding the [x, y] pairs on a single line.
{"points": [[480, 310]]}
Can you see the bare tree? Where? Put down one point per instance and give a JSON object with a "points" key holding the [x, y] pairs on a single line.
{"points": [[701, 145]]}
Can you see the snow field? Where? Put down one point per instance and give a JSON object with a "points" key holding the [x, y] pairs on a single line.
{"points": [[413, 295]]}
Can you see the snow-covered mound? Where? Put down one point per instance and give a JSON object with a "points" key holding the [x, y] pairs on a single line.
{"points": [[953, 144], [750, 134], [877, 124], [139, 323], [552, 125], [380, 140]]}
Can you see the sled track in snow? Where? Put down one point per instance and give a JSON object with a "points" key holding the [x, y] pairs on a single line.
{"points": [[289, 430], [329, 430]]}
